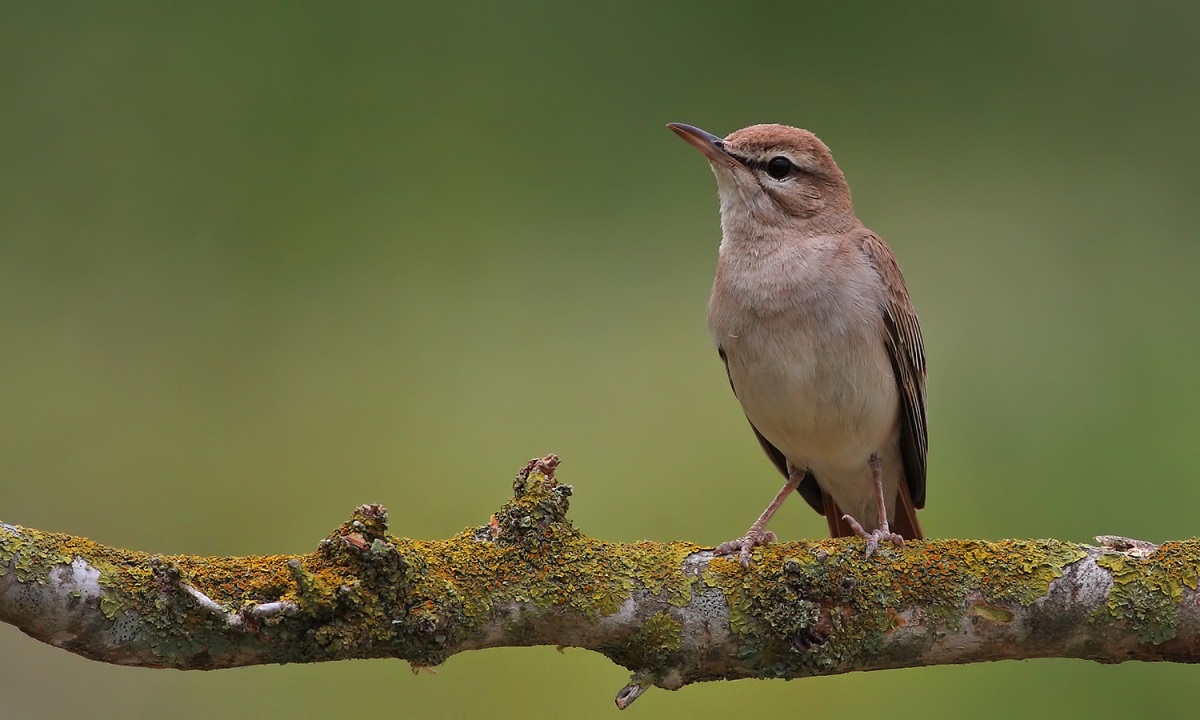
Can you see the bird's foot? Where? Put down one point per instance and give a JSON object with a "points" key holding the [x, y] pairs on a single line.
{"points": [[873, 538], [744, 545]]}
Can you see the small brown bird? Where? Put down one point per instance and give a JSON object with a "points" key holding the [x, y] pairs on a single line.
{"points": [[821, 344]]}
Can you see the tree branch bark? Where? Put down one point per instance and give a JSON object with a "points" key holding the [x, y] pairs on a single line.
{"points": [[670, 612]]}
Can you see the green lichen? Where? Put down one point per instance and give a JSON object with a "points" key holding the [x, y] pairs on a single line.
{"points": [[1147, 591], [812, 607], [655, 566], [652, 648], [421, 599], [804, 608], [21, 550], [780, 609], [313, 593], [989, 612], [110, 606], [135, 585], [376, 593]]}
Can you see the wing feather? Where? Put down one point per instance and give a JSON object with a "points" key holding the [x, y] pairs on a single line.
{"points": [[903, 338]]}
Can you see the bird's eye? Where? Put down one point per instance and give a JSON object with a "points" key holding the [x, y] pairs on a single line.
{"points": [[778, 167]]}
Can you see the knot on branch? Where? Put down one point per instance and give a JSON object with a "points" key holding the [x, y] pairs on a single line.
{"points": [[362, 546], [367, 525], [537, 511], [537, 466]]}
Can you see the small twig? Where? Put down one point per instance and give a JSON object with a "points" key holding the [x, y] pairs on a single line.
{"points": [[1136, 548], [279, 607], [638, 684]]}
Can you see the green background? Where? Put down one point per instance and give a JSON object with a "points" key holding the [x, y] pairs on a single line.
{"points": [[261, 263]]}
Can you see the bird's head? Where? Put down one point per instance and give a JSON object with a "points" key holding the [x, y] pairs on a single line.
{"points": [[775, 176]]}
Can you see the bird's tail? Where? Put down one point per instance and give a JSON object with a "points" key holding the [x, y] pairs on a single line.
{"points": [[904, 523], [838, 527]]}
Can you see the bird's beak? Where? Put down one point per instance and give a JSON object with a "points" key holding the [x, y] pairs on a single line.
{"points": [[712, 146]]}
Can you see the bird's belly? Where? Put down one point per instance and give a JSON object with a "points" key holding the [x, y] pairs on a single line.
{"points": [[826, 410]]}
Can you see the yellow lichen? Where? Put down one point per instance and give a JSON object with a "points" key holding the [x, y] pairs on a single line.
{"points": [[1147, 591], [814, 604], [803, 608], [650, 649]]}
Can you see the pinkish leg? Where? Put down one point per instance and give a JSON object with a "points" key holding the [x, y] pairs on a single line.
{"points": [[883, 532], [758, 534]]}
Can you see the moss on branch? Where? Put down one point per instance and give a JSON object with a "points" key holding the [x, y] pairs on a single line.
{"points": [[671, 612]]}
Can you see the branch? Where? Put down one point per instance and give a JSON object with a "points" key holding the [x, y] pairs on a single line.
{"points": [[670, 612]]}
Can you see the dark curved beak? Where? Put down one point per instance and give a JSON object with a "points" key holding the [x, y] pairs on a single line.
{"points": [[712, 146]]}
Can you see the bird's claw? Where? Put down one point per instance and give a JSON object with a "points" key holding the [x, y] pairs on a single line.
{"points": [[873, 538], [744, 545]]}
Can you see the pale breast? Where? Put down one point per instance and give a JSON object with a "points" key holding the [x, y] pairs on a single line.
{"points": [[806, 357]]}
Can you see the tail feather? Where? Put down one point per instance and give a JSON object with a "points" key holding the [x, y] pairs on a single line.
{"points": [[904, 523], [838, 528]]}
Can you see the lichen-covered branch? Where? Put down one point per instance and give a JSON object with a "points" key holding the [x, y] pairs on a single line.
{"points": [[671, 612]]}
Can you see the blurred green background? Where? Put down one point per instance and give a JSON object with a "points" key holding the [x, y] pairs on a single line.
{"points": [[261, 263]]}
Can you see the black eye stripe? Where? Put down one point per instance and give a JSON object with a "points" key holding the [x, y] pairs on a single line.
{"points": [[751, 163], [761, 165]]}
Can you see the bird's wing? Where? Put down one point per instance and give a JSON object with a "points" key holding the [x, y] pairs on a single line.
{"points": [[908, 363], [808, 488]]}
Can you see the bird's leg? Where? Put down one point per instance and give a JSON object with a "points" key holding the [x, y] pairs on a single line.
{"points": [[758, 534], [883, 532]]}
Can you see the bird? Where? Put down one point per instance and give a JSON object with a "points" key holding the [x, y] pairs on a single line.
{"points": [[813, 322]]}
